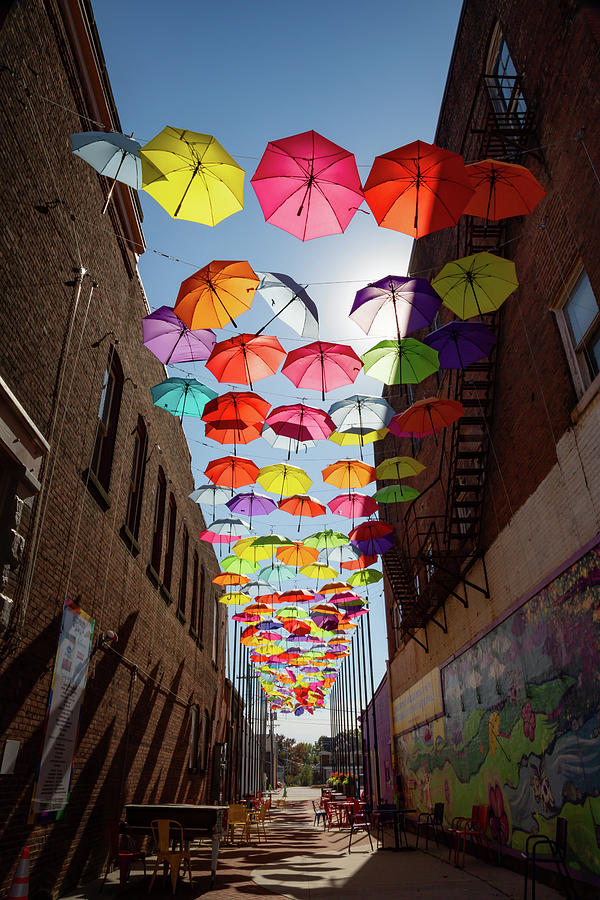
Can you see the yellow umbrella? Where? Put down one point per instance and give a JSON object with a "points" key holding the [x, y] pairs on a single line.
{"points": [[348, 439], [244, 549], [318, 571], [235, 599], [284, 479], [398, 467], [477, 284], [199, 181]]}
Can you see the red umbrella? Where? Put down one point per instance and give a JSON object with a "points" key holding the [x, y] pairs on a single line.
{"points": [[372, 537], [302, 505], [234, 434], [236, 417], [245, 358], [232, 471], [363, 562], [418, 188], [307, 185], [322, 365], [502, 189], [426, 417], [300, 422]]}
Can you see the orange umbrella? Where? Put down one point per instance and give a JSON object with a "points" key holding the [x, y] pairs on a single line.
{"points": [[502, 189], [215, 294], [228, 578], [245, 358], [296, 555], [348, 473], [302, 505], [232, 471], [418, 189], [426, 417]]}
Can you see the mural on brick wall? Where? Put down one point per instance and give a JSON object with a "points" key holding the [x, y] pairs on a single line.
{"points": [[521, 730]]}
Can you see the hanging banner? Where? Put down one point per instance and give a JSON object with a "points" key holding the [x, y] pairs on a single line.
{"points": [[61, 726]]}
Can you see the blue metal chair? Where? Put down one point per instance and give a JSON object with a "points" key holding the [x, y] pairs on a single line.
{"points": [[319, 814]]}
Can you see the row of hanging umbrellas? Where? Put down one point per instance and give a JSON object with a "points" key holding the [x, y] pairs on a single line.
{"points": [[309, 186]]}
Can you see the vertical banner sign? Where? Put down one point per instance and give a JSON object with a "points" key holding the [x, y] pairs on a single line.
{"points": [[61, 726]]}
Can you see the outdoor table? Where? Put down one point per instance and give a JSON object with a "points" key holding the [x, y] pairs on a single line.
{"points": [[397, 815], [196, 821], [342, 806]]}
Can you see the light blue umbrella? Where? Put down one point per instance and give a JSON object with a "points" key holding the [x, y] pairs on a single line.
{"points": [[277, 574], [360, 414], [182, 396], [210, 493], [290, 303]]}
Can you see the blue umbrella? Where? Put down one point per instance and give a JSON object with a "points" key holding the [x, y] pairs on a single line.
{"points": [[210, 493], [182, 396], [460, 344]]}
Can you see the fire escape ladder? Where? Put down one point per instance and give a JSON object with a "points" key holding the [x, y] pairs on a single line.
{"points": [[405, 597]]}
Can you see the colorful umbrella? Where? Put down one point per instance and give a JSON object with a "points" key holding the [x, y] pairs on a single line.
{"points": [[235, 417], [362, 562], [318, 571], [460, 344], [343, 554], [198, 181], [502, 189], [398, 305], [302, 505], [246, 549], [290, 303], [322, 366], [349, 439], [477, 284], [226, 579], [233, 526], [353, 506], [214, 295], [334, 587], [426, 417], [297, 554], [418, 189], [295, 596], [307, 185], [300, 423], [360, 414], [272, 540], [210, 494], [251, 504], [166, 336], [182, 396], [238, 566], [283, 479], [245, 358], [348, 473], [326, 540], [406, 361], [365, 576], [398, 467], [277, 574], [235, 599], [232, 471], [396, 493], [111, 154], [372, 537], [211, 537]]}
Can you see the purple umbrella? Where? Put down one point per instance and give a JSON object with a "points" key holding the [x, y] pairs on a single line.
{"points": [[399, 305], [268, 625], [251, 504], [460, 344], [171, 341]]}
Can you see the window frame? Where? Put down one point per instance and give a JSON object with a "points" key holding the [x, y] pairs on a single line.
{"points": [[183, 577], [583, 378], [167, 578], [160, 506], [107, 422], [512, 108], [137, 478]]}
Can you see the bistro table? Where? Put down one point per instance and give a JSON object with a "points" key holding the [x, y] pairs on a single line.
{"points": [[397, 815], [341, 807], [196, 821]]}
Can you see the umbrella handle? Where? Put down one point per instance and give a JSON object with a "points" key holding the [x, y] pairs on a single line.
{"points": [[114, 181], [272, 319]]}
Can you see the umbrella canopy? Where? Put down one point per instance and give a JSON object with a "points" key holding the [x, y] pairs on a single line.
{"points": [[395, 493], [343, 554], [271, 540], [297, 554], [318, 571], [235, 599], [246, 549], [426, 417], [198, 180], [300, 422], [326, 540], [225, 432], [418, 189], [217, 293], [111, 154], [245, 358], [360, 414], [211, 537], [238, 566], [210, 494], [280, 442], [353, 506], [365, 576], [226, 579], [307, 185], [283, 479], [477, 284], [502, 190], [251, 504], [235, 417], [348, 473], [232, 526], [232, 471], [277, 573], [362, 562], [302, 505], [290, 303], [349, 439], [182, 396], [406, 361], [460, 344], [372, 537], [322, 366], [171, 341], [399, 467], [397, 305]]}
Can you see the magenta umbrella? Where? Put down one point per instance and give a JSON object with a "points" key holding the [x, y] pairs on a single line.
{"points": [[353, 505], [307, 185], [322, 366], [300, 422], [166, 336]]}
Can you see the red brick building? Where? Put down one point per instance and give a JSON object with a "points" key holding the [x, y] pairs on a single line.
{"points": [[492, 588], [94, 480]]}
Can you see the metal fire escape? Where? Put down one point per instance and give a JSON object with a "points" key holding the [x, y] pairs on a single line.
{"points": [[434, 552]]}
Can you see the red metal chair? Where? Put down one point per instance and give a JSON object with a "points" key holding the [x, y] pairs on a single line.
{"points": [[122, 858], [474, 828]]}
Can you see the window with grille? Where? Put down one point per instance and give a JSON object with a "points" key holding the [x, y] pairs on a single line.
{"points": [[215, 640], [170, 551], [159, 520], [136, 478], [108, 420], [504, 85]]}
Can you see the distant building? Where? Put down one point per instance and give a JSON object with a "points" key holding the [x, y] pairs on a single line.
{"points": [[94, 484], [492, 590]]}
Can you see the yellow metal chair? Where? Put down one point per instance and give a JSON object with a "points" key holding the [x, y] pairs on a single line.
{"points": [[258, 819], [164, 831], [238, 815]]}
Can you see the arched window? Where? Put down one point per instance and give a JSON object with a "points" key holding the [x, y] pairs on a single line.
{"points": [[136, 478], [159, 520], [108, 419]]}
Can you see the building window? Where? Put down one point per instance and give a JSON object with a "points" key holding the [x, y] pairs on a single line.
{"points": [[108, 419], [579, 323], [159, 520], [204, 742], [504, 84], [184, 572], [170, 551], [201, 604], [136, 478], [194, 605], [193, 745], [215, 640]]}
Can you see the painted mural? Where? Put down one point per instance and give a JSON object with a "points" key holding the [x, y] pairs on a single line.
{"points": [[521, 729]]}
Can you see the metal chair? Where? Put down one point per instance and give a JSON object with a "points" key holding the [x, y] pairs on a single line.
{"points": [[319, 814], [257, 817], [557, 854], [123, 858], [434, 820], [165, 831], [474, 828], [359, 821], [238, 815]]}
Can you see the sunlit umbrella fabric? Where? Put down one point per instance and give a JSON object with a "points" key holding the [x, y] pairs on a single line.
{"points": [[353, 506], [372, 537], [290, 303], [349, 439], [280, 442], [182, 396], [232, 471], [365, 576], [226, 579], [396, 305], [360, 414], [406, 361], [246, 549], [210, 494], [238, 566], [235, 416], [245, 358], [477, 284], [307, 185], [460, 344], [348, 474], [297, 554], [251, 504], [171, 341], [502, 190], [418, 189], [396, 493], [284, 479], [302, 505], [427, 416], [300, 422], [326, 539], [216, 294], [397, 467], [362, 562], [198, 180], [322, 366], [277, 574]]}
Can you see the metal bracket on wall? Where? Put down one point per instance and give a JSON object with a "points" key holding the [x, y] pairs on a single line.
{"points": [[413, 636], [443, 626]]}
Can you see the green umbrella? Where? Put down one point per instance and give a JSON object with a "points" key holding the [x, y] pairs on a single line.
{"points": [[365, 576], [326, 540], [238, 566], [271, 540], [395, 493], [406, 361], [477, 284]]}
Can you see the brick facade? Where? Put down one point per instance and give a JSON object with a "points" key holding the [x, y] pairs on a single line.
{"points": [[63, 539]]}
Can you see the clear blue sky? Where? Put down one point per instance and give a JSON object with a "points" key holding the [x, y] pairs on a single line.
{"points": [[369, 77]]}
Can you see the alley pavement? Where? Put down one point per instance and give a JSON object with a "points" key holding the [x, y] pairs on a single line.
{"points": [[302, 862]]}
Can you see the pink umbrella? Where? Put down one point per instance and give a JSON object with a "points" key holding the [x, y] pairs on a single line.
{"points": [[300, 423], [308, 185], [353, 505], [322, 365]]}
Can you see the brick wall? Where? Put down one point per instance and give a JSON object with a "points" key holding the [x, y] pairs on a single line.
{"points": [[135, 723]]}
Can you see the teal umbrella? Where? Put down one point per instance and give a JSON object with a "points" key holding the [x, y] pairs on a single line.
{"points": [[182, 396], [395, 493], [277, 574]]}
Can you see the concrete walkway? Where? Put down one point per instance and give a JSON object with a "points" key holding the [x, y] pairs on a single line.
{"points": [[302, 862]]}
